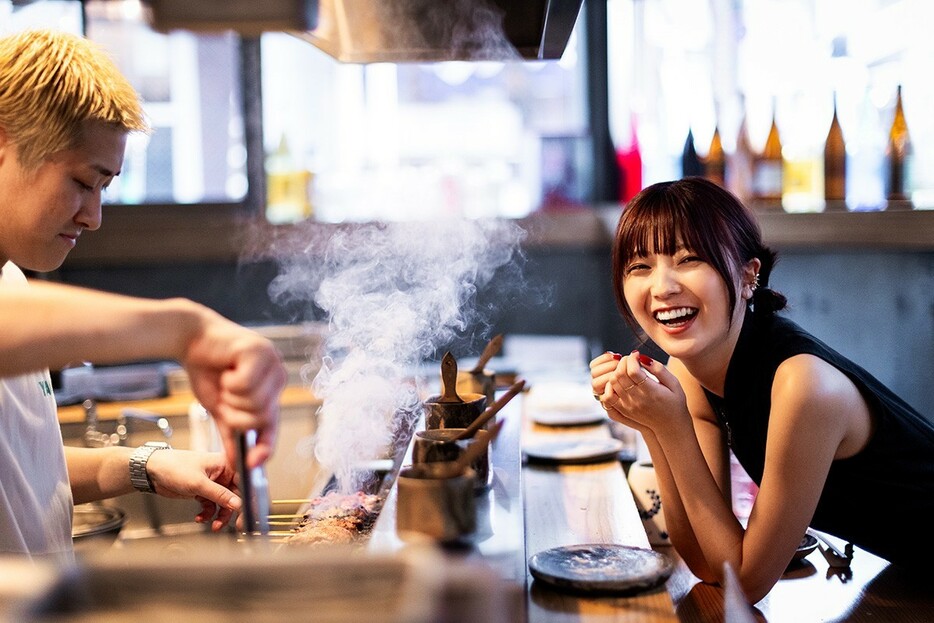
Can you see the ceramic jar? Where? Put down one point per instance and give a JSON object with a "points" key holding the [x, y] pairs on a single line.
{"points": [[645, 491]]}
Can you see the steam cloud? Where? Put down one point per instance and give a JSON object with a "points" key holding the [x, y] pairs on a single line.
{"points": [[393, 294]]}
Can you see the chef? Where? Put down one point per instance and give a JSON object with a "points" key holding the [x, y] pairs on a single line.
{"points": [[65, 113]]}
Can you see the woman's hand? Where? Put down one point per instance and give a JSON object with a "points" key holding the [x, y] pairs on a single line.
{"points": [[638, 391], [203, 476]]}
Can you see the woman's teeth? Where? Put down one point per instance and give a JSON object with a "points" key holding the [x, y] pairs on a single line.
{"points": [[675, 316]]}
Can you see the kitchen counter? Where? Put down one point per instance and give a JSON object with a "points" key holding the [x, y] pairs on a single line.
{"points": [[172, 405]]}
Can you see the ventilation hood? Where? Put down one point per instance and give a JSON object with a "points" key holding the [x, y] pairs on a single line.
{"points": [[369, 31]]}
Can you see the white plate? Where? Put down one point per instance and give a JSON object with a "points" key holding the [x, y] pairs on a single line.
{"points": [[564, 403], [569, 418], [575, 451]]}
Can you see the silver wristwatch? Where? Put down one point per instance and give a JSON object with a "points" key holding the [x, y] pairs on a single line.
{"points": [[138, 474]]}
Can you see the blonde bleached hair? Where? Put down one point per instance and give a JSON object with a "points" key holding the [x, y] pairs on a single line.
{"points": [[51, 84]]}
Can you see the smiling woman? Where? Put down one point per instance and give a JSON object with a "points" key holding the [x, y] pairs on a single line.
{"points": [[827, 443]]}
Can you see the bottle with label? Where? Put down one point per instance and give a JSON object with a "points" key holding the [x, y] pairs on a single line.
{"points": [[767, 170], [739, 165], [691, 164], [898, 152], [715, 162], [835, 164]]}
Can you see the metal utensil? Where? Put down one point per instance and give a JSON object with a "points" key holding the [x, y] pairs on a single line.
{"points": [[254, 488], [449, 379], [492, 410], [492, 349], [835, 558]]}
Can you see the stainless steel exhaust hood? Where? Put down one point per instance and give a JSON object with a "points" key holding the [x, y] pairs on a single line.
{"points": [[368, 31]]}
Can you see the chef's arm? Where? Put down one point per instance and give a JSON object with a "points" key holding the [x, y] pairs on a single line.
{"points": [[101, 473], [98, 473], [235, 373], [48, 325]]}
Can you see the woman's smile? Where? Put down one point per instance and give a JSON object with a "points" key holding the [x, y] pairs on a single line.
{"points": [[675, 317]]}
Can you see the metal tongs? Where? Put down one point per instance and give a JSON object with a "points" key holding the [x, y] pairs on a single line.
{"points": [[254, 488]]}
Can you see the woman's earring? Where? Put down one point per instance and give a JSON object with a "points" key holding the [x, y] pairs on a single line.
{"points": [[755, 282]]}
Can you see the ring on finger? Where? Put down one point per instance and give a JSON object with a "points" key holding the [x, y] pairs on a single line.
{"points": [[644, 379]]}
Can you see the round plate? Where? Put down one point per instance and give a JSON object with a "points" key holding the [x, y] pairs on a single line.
{"points": [[575, 451], [569, 417], [601, 568]]}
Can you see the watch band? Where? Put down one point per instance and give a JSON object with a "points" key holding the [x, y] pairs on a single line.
{"points": [[139, 476]]}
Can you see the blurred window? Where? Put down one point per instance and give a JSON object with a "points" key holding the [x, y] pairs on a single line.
{"points": [[401, 141], [190, 87]]}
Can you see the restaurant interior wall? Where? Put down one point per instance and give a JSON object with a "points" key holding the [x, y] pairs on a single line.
{"points": [[874, 303]]}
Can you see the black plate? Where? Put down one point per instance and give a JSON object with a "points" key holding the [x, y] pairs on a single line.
{"points": [[601, 568]]}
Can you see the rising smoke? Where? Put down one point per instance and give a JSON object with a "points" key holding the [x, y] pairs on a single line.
{"points": [[392, 295]]}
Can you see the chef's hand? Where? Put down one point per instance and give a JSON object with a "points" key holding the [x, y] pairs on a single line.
{"points": [[637, 391], [203, 476], [237, 375]]}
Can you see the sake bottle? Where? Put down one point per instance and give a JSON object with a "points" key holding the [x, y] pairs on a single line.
{"points": [[715, 162], [691, 164], [835, 164], [767, 169], [898, 153], [739, 164]]}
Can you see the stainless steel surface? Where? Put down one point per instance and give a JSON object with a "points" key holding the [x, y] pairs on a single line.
{"points": [[369, 31]]}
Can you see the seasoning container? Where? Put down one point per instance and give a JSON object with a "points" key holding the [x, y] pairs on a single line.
{"points": [[436, 502]]}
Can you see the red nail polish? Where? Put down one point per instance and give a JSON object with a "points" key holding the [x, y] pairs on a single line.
{"points": [[645, 360], [616, 356]]}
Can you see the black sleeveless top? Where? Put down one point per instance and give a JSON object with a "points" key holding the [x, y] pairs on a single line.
{"points": [[881, 499]]}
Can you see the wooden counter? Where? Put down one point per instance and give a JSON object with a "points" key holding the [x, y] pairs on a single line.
{"points": [[531, 508], [172, 405]]}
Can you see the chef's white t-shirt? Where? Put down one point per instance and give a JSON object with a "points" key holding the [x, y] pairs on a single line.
{"points": [[35, 496]]}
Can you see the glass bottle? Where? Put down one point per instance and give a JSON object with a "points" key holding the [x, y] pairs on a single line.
{"points": [[865, 160], [898, 152], [767, 168], [739, 165], [691, 164], [835, 164], [715, 162]]}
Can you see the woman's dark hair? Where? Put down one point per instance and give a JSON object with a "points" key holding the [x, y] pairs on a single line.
{"points": [[706, 219]]}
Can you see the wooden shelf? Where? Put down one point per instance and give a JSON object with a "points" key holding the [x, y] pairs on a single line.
{"points": [[173, 234]]}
